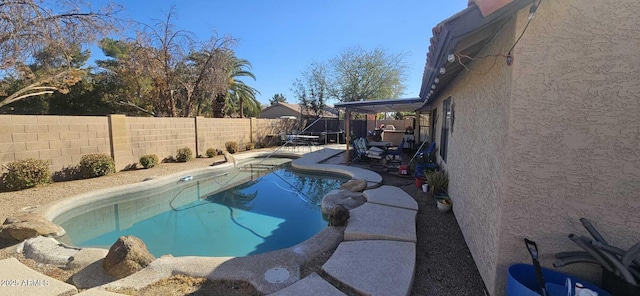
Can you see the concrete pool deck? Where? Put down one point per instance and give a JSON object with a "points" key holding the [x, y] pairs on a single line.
{"points": [[388, 239]]}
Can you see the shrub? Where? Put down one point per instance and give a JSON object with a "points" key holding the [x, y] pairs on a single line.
{"points": [[438, 181], [149, 160], [184, 154], [26, 173], [263, 144], [211, 152], [219, 151], [249, 146], [96, 165], [232, 146]]}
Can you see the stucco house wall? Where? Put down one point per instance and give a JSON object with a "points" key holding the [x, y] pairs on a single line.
{"points": [[552, 138], [574, 137], [477, 148]]}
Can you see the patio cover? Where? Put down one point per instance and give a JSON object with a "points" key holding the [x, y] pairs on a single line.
{"points": [[379, 106]]}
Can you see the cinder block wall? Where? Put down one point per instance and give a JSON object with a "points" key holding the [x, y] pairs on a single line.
{"points": [[64, 139], [268, 130], [214, 132], [160, 136], [60, 139]]}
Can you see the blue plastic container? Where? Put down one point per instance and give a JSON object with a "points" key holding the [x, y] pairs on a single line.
{"points": [[522, 281]]}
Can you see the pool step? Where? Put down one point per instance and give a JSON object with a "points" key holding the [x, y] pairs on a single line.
{"points": [[374, 267], [310, 285], [391, 196], [373, 221]]}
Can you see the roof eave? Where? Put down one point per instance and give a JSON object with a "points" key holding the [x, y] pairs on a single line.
{"points": [[452, 31]]}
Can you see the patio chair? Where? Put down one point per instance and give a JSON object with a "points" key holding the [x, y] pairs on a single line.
{"points": [[394, 157], [376, 155], [360, 148], [285, 140]]}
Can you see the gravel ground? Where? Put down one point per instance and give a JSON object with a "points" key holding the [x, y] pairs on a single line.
{"points": [[444, 265]]}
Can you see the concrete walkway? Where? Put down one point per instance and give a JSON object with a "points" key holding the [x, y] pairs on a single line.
{"points": [[377, 256], [18, 280], [379, 251]]}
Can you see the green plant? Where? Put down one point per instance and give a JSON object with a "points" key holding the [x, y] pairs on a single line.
{"points": [[438, 181], [232, 146], [184, 154], [211, 152], [249, 146], [26, 173], [149, 160], [96, 165]]}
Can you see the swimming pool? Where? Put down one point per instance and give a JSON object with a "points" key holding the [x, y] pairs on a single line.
{"points": [[249, 210]]}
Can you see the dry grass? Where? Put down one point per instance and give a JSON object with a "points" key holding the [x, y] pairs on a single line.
{"points": [[179, 285]]}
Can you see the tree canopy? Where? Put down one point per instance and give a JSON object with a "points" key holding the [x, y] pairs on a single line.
{"points": [[313, 89], [277, 98], [50, 35], [160, 71], [361, 75], [354, 74]]}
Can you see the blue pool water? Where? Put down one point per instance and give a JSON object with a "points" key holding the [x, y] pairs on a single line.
{"points": [[269, 212]]}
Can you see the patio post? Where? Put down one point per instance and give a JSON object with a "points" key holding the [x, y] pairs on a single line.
{"points": [[347, 133]]}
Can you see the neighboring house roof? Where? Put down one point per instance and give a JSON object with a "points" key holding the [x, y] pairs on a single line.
{"points": [[298, 109], [463, 34]]}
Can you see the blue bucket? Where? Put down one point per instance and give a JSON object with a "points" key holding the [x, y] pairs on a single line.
{"points": [[522, 281]]}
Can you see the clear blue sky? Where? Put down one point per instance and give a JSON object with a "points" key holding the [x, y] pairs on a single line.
{"points": [[281, 38]]}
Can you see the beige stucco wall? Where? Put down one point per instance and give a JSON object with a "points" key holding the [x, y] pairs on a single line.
{"points": [[60, 139], [574, 135], [477, 149]]}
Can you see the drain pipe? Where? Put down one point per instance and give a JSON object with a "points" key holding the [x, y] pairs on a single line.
{"points": [[618, 267], [561, 262], [608, 248], [592, 230], [574, 238], [563, 255], [631, 255]]}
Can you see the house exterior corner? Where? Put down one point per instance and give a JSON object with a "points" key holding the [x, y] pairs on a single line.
{"points": [[534, 146]]}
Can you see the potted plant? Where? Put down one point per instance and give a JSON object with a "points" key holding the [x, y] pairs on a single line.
{"points": [[438, 183], [425, 162]]}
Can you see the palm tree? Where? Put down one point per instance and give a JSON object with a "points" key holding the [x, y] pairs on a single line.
{"points": [[239, 93]]}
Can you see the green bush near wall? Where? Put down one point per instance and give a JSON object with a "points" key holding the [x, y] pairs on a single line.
{"points": [[232, 146], [26, 173], [148, 161], [211, 152], [96, 165], [184, 154]]}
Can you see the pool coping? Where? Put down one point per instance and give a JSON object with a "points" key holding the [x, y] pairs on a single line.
{"points": [[250, 268]]}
